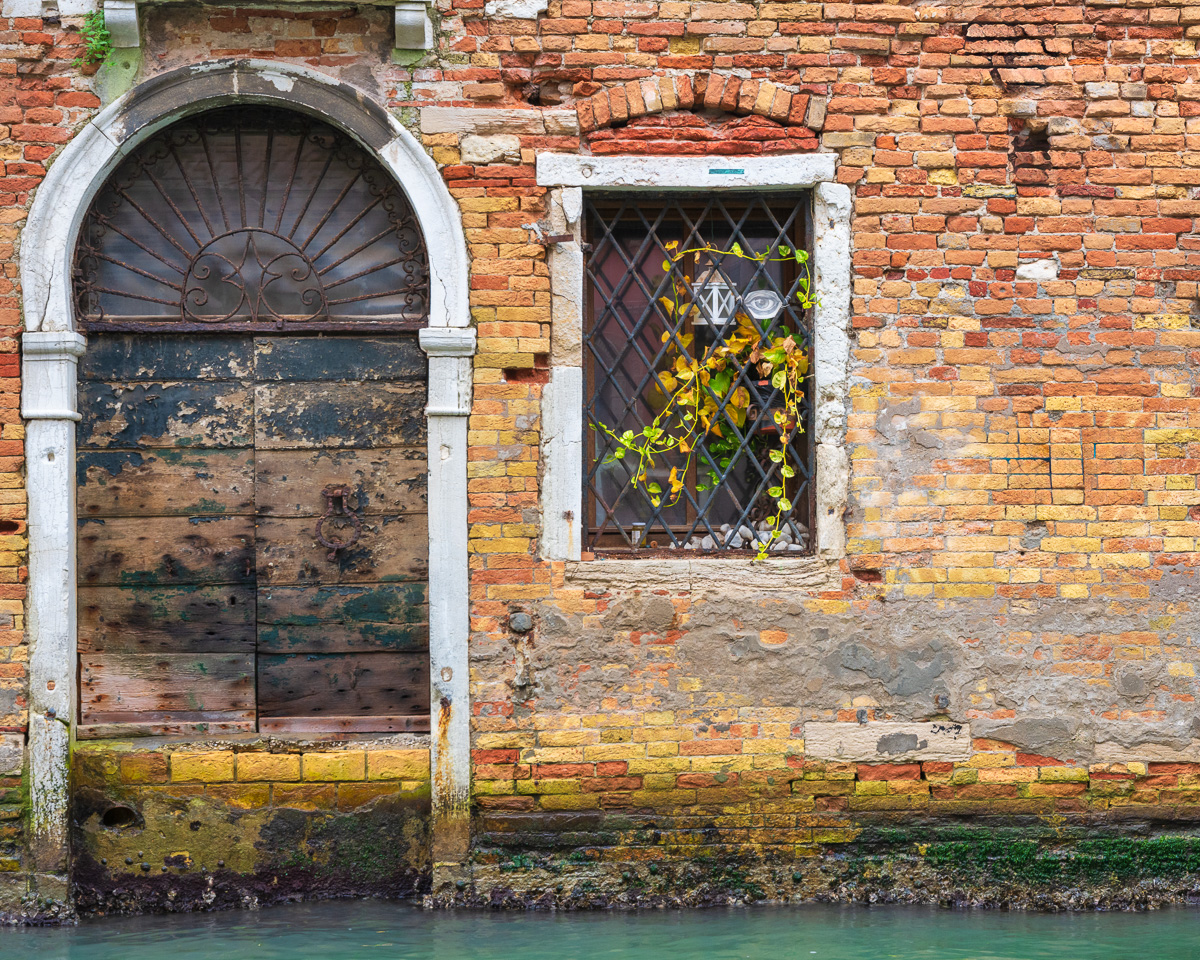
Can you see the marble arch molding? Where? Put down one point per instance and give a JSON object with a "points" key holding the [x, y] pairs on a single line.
{"points": [[51, 347]]}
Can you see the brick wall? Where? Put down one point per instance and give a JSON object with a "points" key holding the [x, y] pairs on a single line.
{"points": [[1023, 421]]}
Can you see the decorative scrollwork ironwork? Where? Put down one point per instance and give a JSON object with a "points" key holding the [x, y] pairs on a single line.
{"points": [[240, 273], [251, 219]]}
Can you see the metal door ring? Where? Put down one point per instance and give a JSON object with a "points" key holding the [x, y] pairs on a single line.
{"points": [[335, 506]]}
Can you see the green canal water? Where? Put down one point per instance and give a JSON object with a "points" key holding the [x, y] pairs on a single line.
{"points": [[375, 930]]}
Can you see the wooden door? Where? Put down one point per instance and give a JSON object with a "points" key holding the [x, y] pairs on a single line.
{"points": [[207, 601]]}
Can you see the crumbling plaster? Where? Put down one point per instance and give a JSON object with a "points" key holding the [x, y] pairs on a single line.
{"points": [[758, 650]]}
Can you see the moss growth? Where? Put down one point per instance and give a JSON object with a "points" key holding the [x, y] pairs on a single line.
{"points": [[1115, 860]]}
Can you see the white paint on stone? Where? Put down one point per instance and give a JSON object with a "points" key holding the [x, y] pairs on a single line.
{"points": [[280, 81], [515, 9], [1044, 269], [483, 150], [12, 754], [688, 173], [887, 741]]}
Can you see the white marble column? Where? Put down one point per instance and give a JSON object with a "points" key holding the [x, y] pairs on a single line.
{"points": [[450, 350], [48, 371]]}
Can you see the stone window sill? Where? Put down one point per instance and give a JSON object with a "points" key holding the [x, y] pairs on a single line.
{"points": [[773, 573]]}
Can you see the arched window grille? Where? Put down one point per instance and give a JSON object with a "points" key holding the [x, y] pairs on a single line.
{"points": [[251, 219]]}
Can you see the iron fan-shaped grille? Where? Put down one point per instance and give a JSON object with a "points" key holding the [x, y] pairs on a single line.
{"points": [[251, 219]]}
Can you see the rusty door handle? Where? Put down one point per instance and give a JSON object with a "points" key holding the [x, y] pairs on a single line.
{"points": [[335, 506]]}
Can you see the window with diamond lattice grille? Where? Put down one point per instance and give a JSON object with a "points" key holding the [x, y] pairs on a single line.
{"points": [[639, 255]]}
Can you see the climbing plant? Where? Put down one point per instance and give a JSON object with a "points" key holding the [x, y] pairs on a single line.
{"points": [[97, 41], [702, 397]]}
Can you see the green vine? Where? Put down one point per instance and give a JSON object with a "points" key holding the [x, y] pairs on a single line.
{"points": [[97, 41], [700, 394]]}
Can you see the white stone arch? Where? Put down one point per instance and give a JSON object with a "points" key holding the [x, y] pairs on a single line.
{"points": [[51, 347]]}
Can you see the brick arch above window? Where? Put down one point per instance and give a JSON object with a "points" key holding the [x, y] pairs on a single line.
{"points": [[705, 91]]}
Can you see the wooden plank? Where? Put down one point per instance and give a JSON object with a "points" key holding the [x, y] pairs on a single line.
{"points": [[135, 687], [343, 619], [339, 358], [170, 356], [374, 603], [343, 637], [343, 685], [338, 415], [388, 549], [328, 725], [155, 728], [165, 482], [212, 619], [132, 551], [180, 414], [288, 483]]}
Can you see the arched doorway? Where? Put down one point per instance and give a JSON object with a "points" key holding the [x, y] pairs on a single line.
{"points": [[51, 347], [252, 540]]}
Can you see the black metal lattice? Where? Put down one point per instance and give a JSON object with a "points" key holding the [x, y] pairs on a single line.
{"points": [[251, 218], [635, 260]]}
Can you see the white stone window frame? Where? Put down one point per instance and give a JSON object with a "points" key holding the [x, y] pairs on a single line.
{"points": [[562, 498]]}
